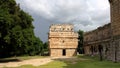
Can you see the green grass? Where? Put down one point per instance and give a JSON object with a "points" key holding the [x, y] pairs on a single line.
{"points": [[80, 62], [93, 62]]}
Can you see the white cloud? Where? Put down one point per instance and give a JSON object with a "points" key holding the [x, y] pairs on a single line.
{"points": [[84, 14]]}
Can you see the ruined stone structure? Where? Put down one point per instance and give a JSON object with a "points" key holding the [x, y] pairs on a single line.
{"points": [[100, 36], [108, 36], [63, 40], [115, 27]]}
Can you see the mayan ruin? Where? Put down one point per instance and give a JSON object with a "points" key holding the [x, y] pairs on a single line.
{"points": [[107, 36], [59, 33], [62, 40]]}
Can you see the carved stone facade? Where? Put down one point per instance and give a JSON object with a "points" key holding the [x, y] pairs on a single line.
{"points": [[108, 36], [63, 41], [100, 36]]}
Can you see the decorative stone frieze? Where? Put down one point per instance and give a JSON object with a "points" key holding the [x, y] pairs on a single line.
{"points": [[63, 41]]}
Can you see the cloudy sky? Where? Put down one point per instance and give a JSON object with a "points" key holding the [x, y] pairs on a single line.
{"points": [[84, 14]]}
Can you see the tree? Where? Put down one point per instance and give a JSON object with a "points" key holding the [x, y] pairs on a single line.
{"points": [[80, 48], [45, 48], [16, 31]]}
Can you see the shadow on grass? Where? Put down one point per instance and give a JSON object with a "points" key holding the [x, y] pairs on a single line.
{"points": [[87, 62], [70, 62], [9, 60]]}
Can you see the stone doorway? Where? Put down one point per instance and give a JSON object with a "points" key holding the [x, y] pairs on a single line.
{"points": [[64, 52]]}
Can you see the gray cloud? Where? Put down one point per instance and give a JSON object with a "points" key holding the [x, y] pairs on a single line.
{"points": [[84, 14]]}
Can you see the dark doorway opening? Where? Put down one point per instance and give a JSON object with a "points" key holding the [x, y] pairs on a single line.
{"points": [[64, 52], [100, 48]]}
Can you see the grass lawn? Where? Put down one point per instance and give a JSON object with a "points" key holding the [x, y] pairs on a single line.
{"points": [[93, 62], [80, 62]]}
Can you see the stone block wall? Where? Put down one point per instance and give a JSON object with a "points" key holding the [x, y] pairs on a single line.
{"points": [[115, 17], [100, 36], [59, 52], [115, 26], [108, 36], [55, 52], [62, 40], [71, 52]]}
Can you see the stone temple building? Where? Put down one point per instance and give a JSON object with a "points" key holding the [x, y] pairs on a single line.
{"points": [[108, 36], [63, 41]]}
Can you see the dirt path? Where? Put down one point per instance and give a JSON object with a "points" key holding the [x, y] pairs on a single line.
{"points": [[38, 62], [34, 62]]}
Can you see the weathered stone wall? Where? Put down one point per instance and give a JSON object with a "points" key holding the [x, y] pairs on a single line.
{"points": [[115, 26], [115, 16], [55, 52], [63, 43], [87, 50], [71, 52], [101, 33], [58, 52], [62, 37], [107, 36], [100, 36]]}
